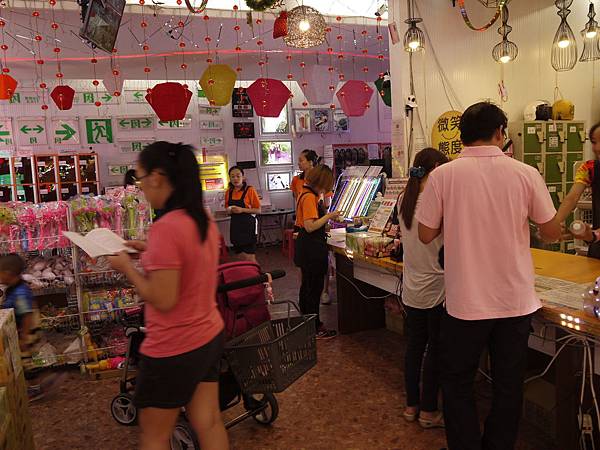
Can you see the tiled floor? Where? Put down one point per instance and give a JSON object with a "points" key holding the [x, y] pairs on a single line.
{"points": [[352, 399]]}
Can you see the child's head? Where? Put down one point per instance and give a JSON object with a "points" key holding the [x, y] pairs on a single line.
{"points": [[320, 178], [11, 268], [236, 177]]}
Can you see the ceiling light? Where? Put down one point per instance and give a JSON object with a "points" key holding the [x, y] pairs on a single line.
{"points": [[505, 51], [591, 41], [564, 48], [304, 25]]}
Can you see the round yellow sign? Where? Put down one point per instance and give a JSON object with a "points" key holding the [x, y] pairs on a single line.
{"points": [[445, 135]]}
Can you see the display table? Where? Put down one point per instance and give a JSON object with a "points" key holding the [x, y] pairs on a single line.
{"points": [[280, 214]]}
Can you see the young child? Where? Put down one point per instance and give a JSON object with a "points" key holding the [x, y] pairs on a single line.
{"points": [[243, 204], [311, 245], [18, 296]]}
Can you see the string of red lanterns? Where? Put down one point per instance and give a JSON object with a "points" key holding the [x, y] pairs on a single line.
{"points": [[39, 60], [145, 46], [8, 84]]}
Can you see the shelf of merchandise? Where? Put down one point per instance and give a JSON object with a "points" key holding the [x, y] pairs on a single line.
{"points": [[553, 148], [354, 193]]}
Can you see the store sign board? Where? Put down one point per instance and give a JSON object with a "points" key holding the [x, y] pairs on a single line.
{"points": [[6, 133], [445, 135], [90, 98], [135, 96], [118, 170], [25, 98], [176, 124], [32, 131], [210, 141], [66, 131], [133, 146], [135, 123], [209, 110], [211, 125], [99, 131]]}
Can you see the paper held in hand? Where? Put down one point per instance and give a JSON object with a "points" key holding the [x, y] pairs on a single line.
{"points": [[99, 242]]}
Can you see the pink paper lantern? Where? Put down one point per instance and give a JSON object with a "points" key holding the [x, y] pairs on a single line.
{"points": [[355, 97], [169, 100], [268, 96], [317, 88]]}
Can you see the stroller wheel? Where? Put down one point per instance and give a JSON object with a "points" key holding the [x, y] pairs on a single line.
{"points": [[268, 415], [183, 437], [123, 410]]}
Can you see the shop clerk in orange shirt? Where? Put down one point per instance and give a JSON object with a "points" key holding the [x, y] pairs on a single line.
{"points": [[311, 245], [243, 204], [306, 161]]}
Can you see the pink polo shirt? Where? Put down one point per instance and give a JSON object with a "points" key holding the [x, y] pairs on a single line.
{"points": [[174, 244], [485, 200]]}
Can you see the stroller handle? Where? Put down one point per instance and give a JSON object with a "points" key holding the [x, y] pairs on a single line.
{"points": [[240, 284]]}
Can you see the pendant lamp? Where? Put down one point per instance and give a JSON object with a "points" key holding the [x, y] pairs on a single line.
{"points": [[591, 38], [305, 27], [506, 51], [414, 38], [564, 48]]}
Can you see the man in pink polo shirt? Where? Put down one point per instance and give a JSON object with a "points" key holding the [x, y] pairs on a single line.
{"points": [[485, 201]]}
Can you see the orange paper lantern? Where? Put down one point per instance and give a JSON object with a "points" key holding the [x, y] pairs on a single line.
{"points": [[8, 86], [217, 82]]}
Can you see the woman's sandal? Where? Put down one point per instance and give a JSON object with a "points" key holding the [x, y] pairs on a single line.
{"points": [[435, 422], [410, 417]]}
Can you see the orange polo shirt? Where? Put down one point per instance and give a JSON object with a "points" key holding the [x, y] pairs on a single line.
{"points": [[306, 207], [297, 186], [251, 200]]}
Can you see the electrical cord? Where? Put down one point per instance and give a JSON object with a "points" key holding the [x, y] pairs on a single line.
{"points": [[357, 289]]}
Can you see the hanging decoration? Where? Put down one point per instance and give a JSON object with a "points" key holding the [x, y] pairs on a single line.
{"points": [[331, 70], [145, 46], [8, 84], [493, 3], [414, 38], [263, 5], [169, 101], [384, 87], [340, 56], [63, 97], [39, 60], [316, 85], [564, 48], [463, 11], [505, 51], [218, 82], [591, 38], [268, 96], [193, 8], [181, 45], [113, 78], [305, 27], [354, 97], [280, 27]]}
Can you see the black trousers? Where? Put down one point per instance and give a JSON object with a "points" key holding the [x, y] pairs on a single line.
{"points": [[462, 343], [310, 291], [421, 362]]}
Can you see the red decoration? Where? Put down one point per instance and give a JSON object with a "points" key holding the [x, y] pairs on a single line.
{"points": [[8, 85], [280, 28], [354, 97], [63, 97], [169, 100], [268, 96]]}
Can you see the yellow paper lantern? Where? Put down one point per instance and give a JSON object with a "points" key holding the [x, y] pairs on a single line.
{"points": [[217, 82], [445, 135]]}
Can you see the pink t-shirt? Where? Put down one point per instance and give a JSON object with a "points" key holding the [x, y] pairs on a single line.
{"points": [[484, 200], [174, 244]]}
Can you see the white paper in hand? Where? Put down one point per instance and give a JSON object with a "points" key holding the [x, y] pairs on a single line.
{"points": [[99, 242]]}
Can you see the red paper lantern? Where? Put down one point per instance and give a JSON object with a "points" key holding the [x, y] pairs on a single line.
{"points": [[354, 97], [63, 97], [169, 100], [268, 96], [8, 85], [280, 28]]}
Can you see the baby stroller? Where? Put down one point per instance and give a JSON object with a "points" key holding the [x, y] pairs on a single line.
{"points": [[262, 357]]}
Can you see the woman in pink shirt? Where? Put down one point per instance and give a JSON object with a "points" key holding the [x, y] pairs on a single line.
{"points": [[184, 329]]}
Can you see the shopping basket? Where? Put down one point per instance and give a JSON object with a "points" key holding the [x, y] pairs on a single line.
{"points": [[272, 356]]}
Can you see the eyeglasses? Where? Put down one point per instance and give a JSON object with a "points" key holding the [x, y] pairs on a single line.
{"points": [[138, 180]]}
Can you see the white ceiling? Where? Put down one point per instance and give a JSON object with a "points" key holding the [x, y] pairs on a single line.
{"points": [[356, 8]]}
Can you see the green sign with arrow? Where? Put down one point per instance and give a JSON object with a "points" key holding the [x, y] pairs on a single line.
{"points": [[135, 96], [32, 131], [65, 131], [6, 137], [135, 123]]}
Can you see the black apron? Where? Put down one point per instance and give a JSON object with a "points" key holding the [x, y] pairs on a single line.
{"points": [[594, 249], [311, 251], [242, 230]]}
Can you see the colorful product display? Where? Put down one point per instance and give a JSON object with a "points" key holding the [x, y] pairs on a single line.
{"points": [[353, 195]]}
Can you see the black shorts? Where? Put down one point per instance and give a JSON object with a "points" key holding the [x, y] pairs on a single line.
{"points": [[249, 249], [171, 382]]}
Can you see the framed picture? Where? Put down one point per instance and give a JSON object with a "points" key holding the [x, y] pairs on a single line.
{"points": [[273, 153], [321, 120], [243, 130], [241, 106], [341, 123], [302, 120], [275, 125], [278, 181]]}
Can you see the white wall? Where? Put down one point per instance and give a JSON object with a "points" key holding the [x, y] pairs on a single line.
{"points": [[465, 60]]}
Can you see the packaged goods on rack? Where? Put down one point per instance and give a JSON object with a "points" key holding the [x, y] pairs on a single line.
{"points": [[354, 193], [46, 272]]}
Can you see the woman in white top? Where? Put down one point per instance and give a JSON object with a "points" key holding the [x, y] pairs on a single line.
{"points": [[423, 295]]}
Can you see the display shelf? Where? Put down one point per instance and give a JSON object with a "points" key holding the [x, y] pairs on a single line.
{"points": [[354, 192]]}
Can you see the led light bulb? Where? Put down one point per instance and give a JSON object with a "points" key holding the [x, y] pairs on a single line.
{"points": [[414, 44], [505, 59], [564, 43], [591, 34], [304, 25]]}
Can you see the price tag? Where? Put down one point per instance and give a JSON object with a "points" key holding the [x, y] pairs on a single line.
{"points": [[64, 190], [551, 188], [18, 165], [20, 192], [63, 163], [572, 129], [43, 191], [1, 193], [41, 164], [531, 130], [83, 162], [85, 190]]}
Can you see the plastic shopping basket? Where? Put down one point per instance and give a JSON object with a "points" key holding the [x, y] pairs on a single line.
{"points": [[272, 356]]}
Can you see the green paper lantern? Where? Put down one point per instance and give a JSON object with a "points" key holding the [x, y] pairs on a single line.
{"points": [[384, 88]]}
